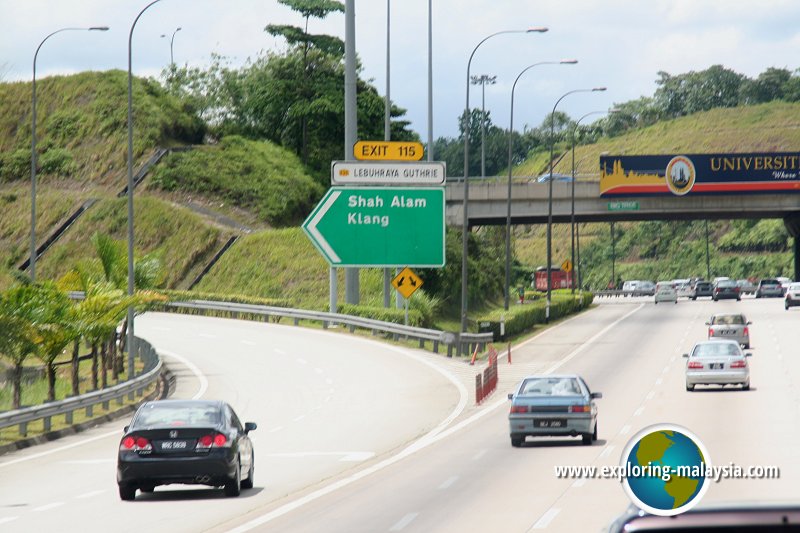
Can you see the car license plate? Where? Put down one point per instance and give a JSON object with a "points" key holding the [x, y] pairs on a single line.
{"points": [[550, 423], [716, 366], [174, 445]]}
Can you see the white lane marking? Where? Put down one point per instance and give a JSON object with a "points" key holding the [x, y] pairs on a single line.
{"points": [[666, 369], [8, 519], [599, 334], [47, 507], [276, 429], [191, 366], [318, 370], [328, 381], [206, 335], [448, 483], [279, 351], [546, 518], [659, 381], [580, 482], [638, 411], [301, 361], [478, 455], [299, 418], [403, 522], [248, 343], [327, 399], [607, 451], [435, 435], [625, 429], [90, 494], [650, 395], [88, 461]]}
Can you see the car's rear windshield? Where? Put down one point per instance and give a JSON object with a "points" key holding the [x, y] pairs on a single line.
{"points": [[728, 319], [715, 349], [703, 285], [770, 282], [155, 415], [725, 283], [551, 386]]}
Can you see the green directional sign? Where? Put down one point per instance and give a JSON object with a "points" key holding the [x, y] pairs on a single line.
{"points": [[379, 226]]}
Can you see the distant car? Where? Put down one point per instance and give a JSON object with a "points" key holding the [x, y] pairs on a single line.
{"points": [[683, 288], [553, 405], [746, 286], [769, 288], [646, 288], [703, 289], [544, 178], [717, 362], [726, 288], [785, 282], [665, 292], [195, 442], [730, 326], [792, 298], [630, 285]]}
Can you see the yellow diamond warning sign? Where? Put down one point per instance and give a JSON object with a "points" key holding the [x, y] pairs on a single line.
{"points": [[406, 282]]}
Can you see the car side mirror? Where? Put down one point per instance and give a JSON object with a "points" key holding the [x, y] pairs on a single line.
{"points": [[596, 395], [749, 322], [686, 355], [748, 354], [250, 426], [510, 396], [708, 323], [125, 429]]}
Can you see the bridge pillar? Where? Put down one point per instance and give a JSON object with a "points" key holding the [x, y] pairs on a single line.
{"points": [[792, 223]]}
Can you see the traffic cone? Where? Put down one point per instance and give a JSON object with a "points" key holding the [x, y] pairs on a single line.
{"points": [[474, 355]]}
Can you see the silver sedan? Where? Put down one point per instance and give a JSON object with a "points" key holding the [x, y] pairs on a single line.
{"points": [[553, 405], [717, 362], [730, 326]]}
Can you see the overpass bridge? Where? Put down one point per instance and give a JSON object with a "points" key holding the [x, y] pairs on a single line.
{"points": [[488, 204]]}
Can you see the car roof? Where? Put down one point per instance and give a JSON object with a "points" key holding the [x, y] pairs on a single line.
{"points": [[717, 341], [185, 403]]}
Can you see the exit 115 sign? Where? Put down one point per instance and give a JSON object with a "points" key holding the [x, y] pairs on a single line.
{"points": [[387, 151]]}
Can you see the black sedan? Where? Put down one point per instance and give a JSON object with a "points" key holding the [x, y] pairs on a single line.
{"points": [[197, 442]]}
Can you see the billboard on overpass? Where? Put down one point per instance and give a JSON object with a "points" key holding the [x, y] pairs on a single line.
{"points": [[680, 175]]}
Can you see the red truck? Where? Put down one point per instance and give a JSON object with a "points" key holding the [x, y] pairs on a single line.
{"points": [[560, 279]]}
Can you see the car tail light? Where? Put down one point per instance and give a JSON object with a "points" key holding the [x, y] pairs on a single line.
{"points": [[579, 409], [519, 408], [217, 440], [135, 444], [741, 363], [746, 331], [710, 332], [695, 364]]}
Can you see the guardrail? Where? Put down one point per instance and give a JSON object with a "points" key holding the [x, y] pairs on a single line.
{"points": [[460, 343], [619, 292], [135, 387]]}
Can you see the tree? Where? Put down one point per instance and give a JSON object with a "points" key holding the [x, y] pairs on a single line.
{"points": [[55, 329], [693, 92], [772, 84], [20, 308]]}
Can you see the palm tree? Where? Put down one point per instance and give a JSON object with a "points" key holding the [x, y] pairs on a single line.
{"points": [[20, 308], [56, 329]]}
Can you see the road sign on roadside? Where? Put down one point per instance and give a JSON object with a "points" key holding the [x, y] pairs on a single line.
{"points": [[388, 173], [388, 151], [407, 282], [566, 266], [379, 226]]}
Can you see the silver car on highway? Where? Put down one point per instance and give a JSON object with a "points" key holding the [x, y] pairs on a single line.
{"points": [[717, 362], [553, 405], [730, 326]]}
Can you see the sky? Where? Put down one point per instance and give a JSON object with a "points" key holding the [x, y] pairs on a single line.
{"points": [[619, 44]]}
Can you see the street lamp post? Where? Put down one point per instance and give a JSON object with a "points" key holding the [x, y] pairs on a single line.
{"points": [[465, 209], [572, 208], [550, 197], [32, 261], [131, 288], [171, 41], [483, 80], [510, 150]]}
